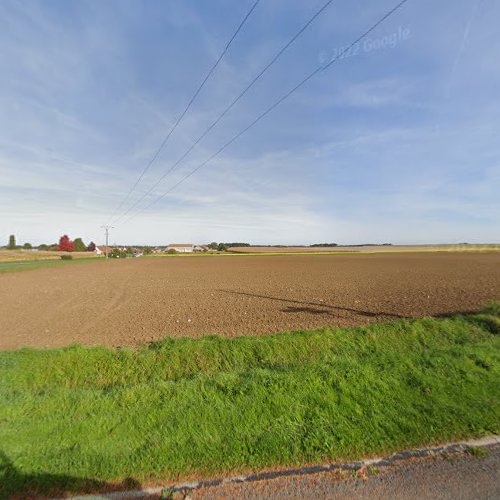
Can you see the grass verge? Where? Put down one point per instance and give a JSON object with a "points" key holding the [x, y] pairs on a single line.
{"points": [[81, 418], [9, 267]]}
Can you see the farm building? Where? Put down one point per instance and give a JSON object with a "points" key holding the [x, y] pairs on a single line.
{"points": [[101, 249], [181, 247]]}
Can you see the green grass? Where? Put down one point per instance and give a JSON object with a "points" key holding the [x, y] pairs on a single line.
{"points": [[79, 418], [479, 452], [9, 267]]}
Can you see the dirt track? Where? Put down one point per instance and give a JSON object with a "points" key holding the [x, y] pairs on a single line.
{"points": [[137, 300]]}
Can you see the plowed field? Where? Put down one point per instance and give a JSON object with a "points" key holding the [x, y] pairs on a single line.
{"points": [[138, 300]]}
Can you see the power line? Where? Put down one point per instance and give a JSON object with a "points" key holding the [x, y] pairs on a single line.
{"points": [[275, 105], [186, 109], [229, 107]]}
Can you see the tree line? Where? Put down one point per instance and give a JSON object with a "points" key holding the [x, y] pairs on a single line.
{"points": [[65, 245]]}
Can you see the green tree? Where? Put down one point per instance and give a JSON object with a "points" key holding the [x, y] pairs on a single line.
{"points": [[222, 248], [27, 246], [213, 245], [43, 246], [12, 242], [116, 253], [79, 245], [148, 250]]}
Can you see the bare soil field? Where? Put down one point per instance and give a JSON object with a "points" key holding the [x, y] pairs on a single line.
{"points": [[128, 302]]}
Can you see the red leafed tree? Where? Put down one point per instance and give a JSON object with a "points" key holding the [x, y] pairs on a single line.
{"points": [[65, 244]]}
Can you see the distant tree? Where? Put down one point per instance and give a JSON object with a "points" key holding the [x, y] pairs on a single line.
{"points": [[221, 247], [148, 250], [116, 253], [237, 244], [91, 247], [65, 244], [43, 246], [213, 245], [12, 242], [79, 245], [27, 246], [172, 251], [324, 245]]}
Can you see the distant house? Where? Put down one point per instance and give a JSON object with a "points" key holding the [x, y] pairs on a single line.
{"points": [[137, 252], [101, 249], [181, 247]]}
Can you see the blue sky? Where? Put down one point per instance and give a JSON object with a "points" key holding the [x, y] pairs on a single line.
{"points": [[399, 142]]}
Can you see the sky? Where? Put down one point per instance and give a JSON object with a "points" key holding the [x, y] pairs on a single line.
{"points": [[397, 141]]}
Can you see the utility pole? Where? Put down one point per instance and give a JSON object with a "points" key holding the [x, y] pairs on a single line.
{"points": [[106, 232]]}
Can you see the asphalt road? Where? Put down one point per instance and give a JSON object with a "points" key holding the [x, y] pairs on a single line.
{"points": [[456, 476]]}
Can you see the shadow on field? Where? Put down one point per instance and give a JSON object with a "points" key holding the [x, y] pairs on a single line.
{"points": [[17, 484], [309, 310], [316, 307]]}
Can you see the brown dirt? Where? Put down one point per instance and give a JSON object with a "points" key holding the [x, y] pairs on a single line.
{"points": [[137, 300]]}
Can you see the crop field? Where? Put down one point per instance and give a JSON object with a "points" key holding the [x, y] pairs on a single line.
{"points": [[462, 247], [28, 255], [133, 301]]}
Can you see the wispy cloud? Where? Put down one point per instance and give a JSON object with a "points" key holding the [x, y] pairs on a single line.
{"points": [[396, 145]]}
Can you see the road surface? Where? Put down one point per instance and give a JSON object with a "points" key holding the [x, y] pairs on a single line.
{"points": [[457, 476]]}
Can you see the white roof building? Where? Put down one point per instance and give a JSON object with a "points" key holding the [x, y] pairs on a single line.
{"points": [[181, 247]]}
